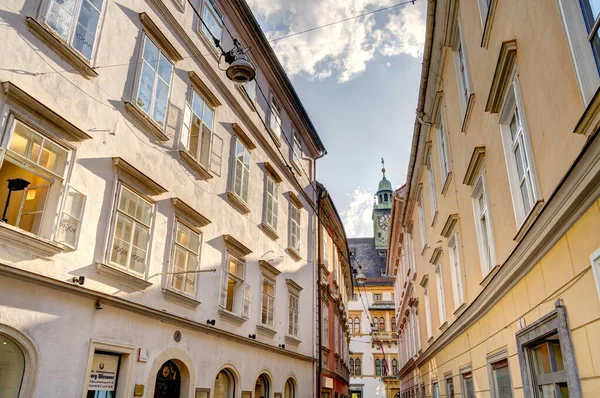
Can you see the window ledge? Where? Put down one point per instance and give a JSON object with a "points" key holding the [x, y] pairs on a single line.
{"points": [[460, 308], [143, 119], [489, 276], [467, 115], [447, 183], [266, 330], [269, 231], [528, 222], [295, 254], [26, 241], [429, 340], [127, 278], [58, 45], [202, 171], [180, 298], [444, 325], [231, 317], [292, 340], [434, 219], [238, 202]]}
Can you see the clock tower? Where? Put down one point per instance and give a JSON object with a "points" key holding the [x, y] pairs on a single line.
{"points": [[382, 208]]}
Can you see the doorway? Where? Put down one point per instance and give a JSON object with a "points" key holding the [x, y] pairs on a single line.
{"points": [[168, 381], [262, 387]]}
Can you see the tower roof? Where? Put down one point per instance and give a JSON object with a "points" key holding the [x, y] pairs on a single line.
{"points": [[384, 185]]}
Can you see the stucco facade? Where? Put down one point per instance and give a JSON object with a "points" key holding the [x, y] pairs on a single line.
{"points": [[494, 236], [113, 159]]}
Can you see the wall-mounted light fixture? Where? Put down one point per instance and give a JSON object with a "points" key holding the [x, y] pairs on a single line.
{"points": [[80, 280], [211, 322], [252, 336], [282, 346], [99, 305]]}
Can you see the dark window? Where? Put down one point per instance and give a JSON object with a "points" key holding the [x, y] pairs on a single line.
{"points": [[394, 367], [378, 367], [351, 367], [357, 370]]}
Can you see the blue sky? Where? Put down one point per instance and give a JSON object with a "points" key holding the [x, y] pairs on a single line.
{"points": [[359, 82]]}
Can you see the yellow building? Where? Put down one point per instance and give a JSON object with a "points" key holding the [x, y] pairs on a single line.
{"points": [[495, 238]]}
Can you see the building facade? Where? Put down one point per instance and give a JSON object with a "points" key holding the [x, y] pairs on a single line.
{"points": [[371, 311], [159, 237], [497, 242]]}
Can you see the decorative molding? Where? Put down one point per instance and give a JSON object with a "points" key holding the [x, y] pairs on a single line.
{"points": [[467, 117], [528, 222], [449, 225], [269, 230], [446, 184], [129, 173], [424, 280], [268, 268], [295, 199], [589, 121], [206, 92], [265, 330], [477, 160], [231, 317], [59, 46], [152, 30], [26, 241], [189, 159], [245, 138], [294, 254], [488, 277], [180, 298], [272, 172], [189, 212], [145, 121], [21, 99], [238, 202], [128, 279], [487, 28], [236, 245], [293, 286], [502, 76]]}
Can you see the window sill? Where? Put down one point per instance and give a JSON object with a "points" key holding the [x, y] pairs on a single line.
{"points": [[430, 340], [269, 231], [487, 278], [202, 171], [265, 330], [444, 325], [295, 254], [434, 219], [127, 278], [180, 298], [57, 44], [460, 308], [231, 317], [238, 202], [528, 222], [292, 340], [143, 119], [447, 183], [467, 115], [28, 242]]}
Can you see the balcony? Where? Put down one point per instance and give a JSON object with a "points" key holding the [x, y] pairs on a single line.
{"points": [[383, 337]]}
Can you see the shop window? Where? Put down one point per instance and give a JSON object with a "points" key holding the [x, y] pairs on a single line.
{"points": [[104, 375]]}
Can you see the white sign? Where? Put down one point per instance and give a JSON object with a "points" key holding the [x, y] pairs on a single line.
{"points": [[142, 355], [103, 375]]}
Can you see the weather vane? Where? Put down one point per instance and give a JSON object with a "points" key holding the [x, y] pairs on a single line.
{"points": [[383, 167]]}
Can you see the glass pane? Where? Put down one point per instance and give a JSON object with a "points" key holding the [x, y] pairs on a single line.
{"points": [[208, 117], [68, 228], [53, 157], [128, 202], [151, 53], [120, 249], [60, 16], [20, 139], [179, 260], [143, 211], [564, 390], [164, 69], [558, 358], [160, 112], [144, 98], [183, 235], [547, 391], [541, 359], [138, 251], [162, 92], [85, 33], [502, 383]]}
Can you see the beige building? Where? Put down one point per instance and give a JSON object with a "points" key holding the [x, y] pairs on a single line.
{"points": [[495, 242]]}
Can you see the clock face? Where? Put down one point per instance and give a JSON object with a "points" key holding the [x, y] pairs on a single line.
{"points": [[384, 222]]}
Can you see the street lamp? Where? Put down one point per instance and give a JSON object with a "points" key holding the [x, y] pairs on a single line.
{"points": [[360, 278], [240, 69], [14, 184]]}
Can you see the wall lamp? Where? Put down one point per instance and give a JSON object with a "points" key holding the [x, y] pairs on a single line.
{"points": [[282, 346], [211, 322], [80, 280], [252, 336], [99, 305]]}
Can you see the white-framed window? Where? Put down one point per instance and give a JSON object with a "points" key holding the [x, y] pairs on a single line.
{"points": [[297, 149], [271, 202], [295, 227], [186, 258], [35, 166], [275, 117], [76, 22], [268, 301], [241, 170], [154, 85], [427, 312], [484, 6], [131, 230], [439, 283], [518, 153], [468, 385], [443, 150], [197, 134], [213, 19], [463, 76], [325, 327], [293, 312], [581, 24], [483, 224], [421, 214], [234, 294], [456, 270], [595, 261], [431, 184]]}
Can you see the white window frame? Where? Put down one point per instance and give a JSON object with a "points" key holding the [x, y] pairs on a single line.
{"points": [[187, 273], [443, 150], [439, 282], [463, 76], [421, 215], [293, 314], [71, 35], [242, 294], [245, 170], [582, 55], [216, 15], [275, 117], [269, 301], [485, 235], [431, 184], [427, 311], [296, 149], [295, 223], [272, 198], [595, 261], [513, 103], [456, 270], [203, 155], [484, 6]]}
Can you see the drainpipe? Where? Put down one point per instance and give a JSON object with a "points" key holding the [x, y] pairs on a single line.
{"points": [[319, 260]]}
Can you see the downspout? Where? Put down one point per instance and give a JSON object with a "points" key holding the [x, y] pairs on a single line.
{"points": [[318, 284]]}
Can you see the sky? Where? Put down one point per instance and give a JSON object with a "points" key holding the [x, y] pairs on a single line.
{"points": [[358, 81]]}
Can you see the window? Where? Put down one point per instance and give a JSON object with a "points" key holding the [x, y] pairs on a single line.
{"points": [[444, 153], [518, 153], [186, 259], [382, 324], [483, 225], [548, 367], [356, 325], [456, 271], [268, 301], [351, 367], [427, 312], [500, 380], [272, 202], [214, 21], [435, 390], [107, 365], [595, 260], [378, 367], [431, 183], [357, 370], [440, 293], [468, 387], [336, 336], [293, 312], [275, 118], [250, 89], [197, 129], [131, 231], [13, 365], [421, 220], [235, 293], [325, 325], [290, 389], [384, 367], [449, 388], [241, 175], [295, 227], [462, 67], [393, 324], [297, 149], [76, 22], [376, 296], [155, 82], [394, 367]]}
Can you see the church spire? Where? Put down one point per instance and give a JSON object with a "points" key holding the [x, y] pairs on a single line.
{"points": [[383, 167]]}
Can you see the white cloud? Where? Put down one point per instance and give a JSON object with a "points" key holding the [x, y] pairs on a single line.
{"points": [[357, 219], [342, 50]]}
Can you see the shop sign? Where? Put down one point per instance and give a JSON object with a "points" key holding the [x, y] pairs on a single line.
{"points": [[327, 382], [103, 375]]}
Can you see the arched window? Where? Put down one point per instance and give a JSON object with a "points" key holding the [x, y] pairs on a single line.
{"points": [[377, 367], [385, 197], [351, 367], [224, 385], [375, 324], [382, 324], [384, 367], [262, 387], [380, 198], [13, 361], [356, 325], [290, 389], [394, 366], [393, 324], [357, 367], [350, 326]]}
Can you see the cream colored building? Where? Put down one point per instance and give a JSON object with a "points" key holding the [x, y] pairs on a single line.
{"points": [[495, 242], [160, 235]]}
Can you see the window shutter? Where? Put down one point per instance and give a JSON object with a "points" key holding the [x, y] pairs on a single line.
{"points": [[69, 223], [216, 154], [246, 301], [223, 291], [186, 125]]}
